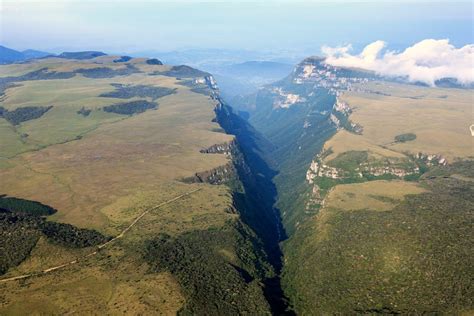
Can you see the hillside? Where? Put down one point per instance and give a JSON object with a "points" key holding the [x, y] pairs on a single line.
{"points": [[128, 193], [375, 196], [8, 55]]}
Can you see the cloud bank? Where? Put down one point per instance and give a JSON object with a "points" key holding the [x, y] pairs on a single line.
{"points": [[426, 61]]}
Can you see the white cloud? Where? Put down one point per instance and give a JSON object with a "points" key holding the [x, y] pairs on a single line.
{"points": [[425, 61]]}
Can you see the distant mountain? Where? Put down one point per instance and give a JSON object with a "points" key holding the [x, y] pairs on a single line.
{"points": [[31, 53], [452, 83], [239, 79], [81, 55], [8, 55], [231, 87], [209, 59], [266, 70]]}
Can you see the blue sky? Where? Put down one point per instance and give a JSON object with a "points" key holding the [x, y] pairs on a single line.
{"points": [[304, 26]]}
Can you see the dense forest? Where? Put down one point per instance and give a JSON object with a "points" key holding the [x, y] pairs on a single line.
{"points": [[406, 258], [106, 72], [23, 222], [210, 282], [123, 91], [132, 107], [122, 59], [154, 61], [23, 114], [182, 71]]}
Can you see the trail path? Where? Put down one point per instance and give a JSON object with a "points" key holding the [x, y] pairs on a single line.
{"points": [[122, 233]]}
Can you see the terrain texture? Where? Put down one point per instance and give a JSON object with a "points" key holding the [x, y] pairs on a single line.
{"points": [[130, 187], [375, 189], [122, 194]]}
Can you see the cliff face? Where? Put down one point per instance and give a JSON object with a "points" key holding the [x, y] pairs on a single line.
{"points": [[248, 172], [249, 176], [254, 196], [219, 175], [224, 148]]}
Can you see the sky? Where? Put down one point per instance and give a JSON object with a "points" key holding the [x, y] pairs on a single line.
{"points": [[127, 26], [427, 61]]}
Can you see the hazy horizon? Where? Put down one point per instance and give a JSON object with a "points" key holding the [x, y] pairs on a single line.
{"points": [[274, 26]]}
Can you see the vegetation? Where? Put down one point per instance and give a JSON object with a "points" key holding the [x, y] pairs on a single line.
{"points": [[153, 61], [23, 114], [21, 206], [254, 196], [183, 71], [18, 236], [347, 124], [349, 160], [81, 55], [6, 85], [22, 223], [405, 137], [132, 107], [142, 91], [393, 109], [84, 112], [40, 74], [398, 261], [294, 145], [345, 261], [106, 72], [200, 88], [213, 283], [71, 236], [122, 59], [152, 151]]}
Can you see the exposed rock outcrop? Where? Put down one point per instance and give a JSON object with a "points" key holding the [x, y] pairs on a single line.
{"points": [[219, 175], [225, 148]]}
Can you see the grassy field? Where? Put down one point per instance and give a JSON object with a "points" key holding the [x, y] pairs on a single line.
{"points": [[100, 171], [113, 283], [440, 118], [345, 141], [374, 195]]}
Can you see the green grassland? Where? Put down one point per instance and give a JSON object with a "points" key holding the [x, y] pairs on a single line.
{"points": [[100, 171], [436, 116]]}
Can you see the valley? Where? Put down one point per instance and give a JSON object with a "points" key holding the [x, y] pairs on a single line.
{"points": [[133, 187], [244, 157]]}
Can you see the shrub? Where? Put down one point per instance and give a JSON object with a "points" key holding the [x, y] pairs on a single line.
{"points": [[129, 108], [142, 91], [405, 137], [24, 114], [154, 61]]}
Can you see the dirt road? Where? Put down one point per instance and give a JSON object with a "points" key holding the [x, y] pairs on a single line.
{"points": [[122, 233]]}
